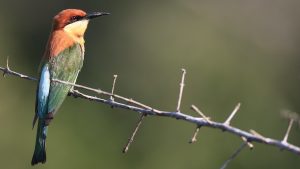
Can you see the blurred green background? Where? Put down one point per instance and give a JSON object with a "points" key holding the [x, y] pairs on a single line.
{"points": [[233, 51]]}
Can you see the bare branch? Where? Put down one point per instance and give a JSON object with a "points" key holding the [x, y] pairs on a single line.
{"points": [[130, 139], [235, 154], [237, 107], [181, 89], [147, 110]]}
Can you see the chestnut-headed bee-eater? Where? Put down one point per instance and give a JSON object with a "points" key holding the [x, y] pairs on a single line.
{"points": [[62, 60]]}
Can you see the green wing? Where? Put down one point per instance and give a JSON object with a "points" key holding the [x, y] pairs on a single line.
{"points": [[65, 67]]}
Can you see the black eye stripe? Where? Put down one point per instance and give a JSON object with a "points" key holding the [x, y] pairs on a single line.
{"points": [[75, 18]]}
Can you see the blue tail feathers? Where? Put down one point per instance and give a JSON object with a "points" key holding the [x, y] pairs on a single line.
{"points": [[39, 155]]}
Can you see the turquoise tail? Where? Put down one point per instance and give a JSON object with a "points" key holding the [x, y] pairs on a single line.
{"points": [[39, 155]]}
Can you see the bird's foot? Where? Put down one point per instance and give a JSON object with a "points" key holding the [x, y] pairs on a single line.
{"points": [[72, 91]]}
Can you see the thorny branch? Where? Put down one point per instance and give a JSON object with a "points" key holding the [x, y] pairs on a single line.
{"points": [[118, 101]]}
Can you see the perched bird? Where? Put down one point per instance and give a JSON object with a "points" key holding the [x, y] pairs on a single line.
{"points": [[63, 59]]}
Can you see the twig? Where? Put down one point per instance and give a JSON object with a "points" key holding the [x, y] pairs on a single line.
{"points": [[288, 131], [237, 107], [236, 153], [181, 89], [147, 110], [130, 139]]}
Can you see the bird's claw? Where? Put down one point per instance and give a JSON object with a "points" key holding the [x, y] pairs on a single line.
{"points": [[72, 90]]}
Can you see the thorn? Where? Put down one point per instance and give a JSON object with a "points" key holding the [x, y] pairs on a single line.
{"points": [[7, 66], [194, 108], [285, 139], [256, 134], [234, 155], [113, 87], [237, 107], [130, 140], [7, 69], [250, 145], [181, 89], [194, 138]]}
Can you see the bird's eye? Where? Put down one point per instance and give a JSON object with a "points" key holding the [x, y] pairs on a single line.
{"points": [[75, 18]]}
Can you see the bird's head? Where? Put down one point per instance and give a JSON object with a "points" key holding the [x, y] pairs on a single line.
{"points": [[74, 21]]}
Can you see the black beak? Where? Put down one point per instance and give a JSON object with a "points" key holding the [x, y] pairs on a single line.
{"points": [[96, 14]]}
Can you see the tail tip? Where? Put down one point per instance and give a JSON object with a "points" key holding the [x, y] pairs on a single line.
{"points": [[38, 158]]}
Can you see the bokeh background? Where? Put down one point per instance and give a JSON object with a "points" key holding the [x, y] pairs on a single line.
{"points": [[233, 51]]}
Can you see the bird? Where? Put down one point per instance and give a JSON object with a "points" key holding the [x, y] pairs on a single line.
{"points": [[62, 60]]}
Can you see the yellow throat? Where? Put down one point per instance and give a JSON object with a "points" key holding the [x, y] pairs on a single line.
{"points": [[76, 30]]}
